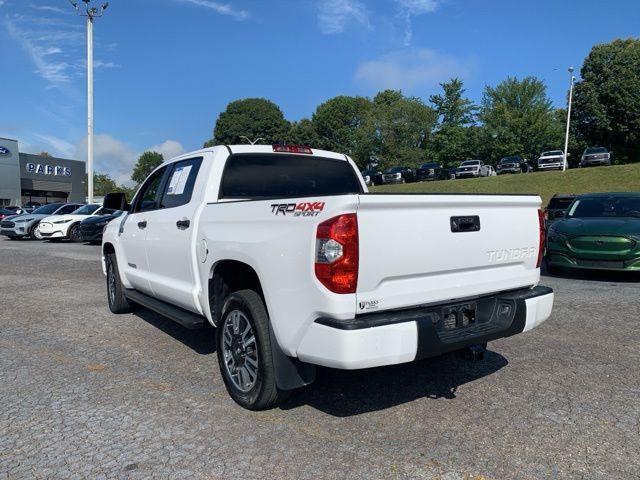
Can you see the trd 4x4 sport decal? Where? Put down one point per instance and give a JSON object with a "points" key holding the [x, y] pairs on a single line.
{"points": [[307, 209]]}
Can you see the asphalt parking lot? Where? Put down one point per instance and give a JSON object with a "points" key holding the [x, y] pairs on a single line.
{"points": [[87, 394]]}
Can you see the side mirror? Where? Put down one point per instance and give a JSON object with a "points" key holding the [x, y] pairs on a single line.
{"points": [[115, 201]]}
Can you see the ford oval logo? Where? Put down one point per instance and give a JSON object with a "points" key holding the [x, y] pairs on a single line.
{"points": [[4, 151]]}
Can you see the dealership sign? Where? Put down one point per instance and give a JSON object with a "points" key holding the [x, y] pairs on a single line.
{"points": [[48, 169], [4, 151]]}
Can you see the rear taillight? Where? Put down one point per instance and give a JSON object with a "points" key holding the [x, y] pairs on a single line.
{"points": [[336, 261], [292, 149], [541, 239]]}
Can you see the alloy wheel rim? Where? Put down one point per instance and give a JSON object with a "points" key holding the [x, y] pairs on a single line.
{"points": [[37, 233], [75, 234], [240, 351], [112, 284]]}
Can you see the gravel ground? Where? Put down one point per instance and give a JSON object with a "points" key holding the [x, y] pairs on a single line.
{"points": [[88, 394]]}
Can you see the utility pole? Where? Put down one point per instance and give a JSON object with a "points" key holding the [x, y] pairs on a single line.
{"points": [[566, 138], [90, 13]]}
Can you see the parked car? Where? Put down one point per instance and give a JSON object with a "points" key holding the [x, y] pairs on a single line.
{"points": [[6, 213], [448, 173], [595, 156], [600, 231], [557, 207], [509, 165], [91, 228], [26, 225], [428, 171], [472, 169], [375, 176], [551, 160], [18, 210], [398, 175], [491, 171], [60, 227], [312, 270]]}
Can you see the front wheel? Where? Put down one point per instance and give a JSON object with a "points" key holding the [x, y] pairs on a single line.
{"points": [[74, 233], [118, 303], [243, 347], [35, 232]]}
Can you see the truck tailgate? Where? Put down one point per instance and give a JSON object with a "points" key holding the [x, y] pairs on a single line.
{"points": [[421, 249]]}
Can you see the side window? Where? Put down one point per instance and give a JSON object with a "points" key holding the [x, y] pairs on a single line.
{"points": [[146, 198], [67, 209], [179, 187]]}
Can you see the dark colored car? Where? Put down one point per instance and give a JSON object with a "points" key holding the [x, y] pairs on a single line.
{"points": [[398, 175], [595, 156], [557, 207], [91, 228], [6, 213], [509, 165], [600, 231], [428, 171], [375, 176]]}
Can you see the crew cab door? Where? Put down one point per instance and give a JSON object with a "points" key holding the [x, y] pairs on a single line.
{"points": [[134, 231], [169, 238]]}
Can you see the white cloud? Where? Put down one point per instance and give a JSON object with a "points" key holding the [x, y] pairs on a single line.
{"points": [[412, 8], [409, 70], [117, 159], [335, 15], [221, 8], [56, 146], [47, 8], [1, 3], [169, 149]]}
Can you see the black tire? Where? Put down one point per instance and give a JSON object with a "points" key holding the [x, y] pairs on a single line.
{"points": [[262, 392], [74, 233], [34, 233], [118, 303]]}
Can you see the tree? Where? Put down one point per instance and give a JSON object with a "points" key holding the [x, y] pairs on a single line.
{"points": [[339, 123], [252, 118], [452, 107], [455, 139], [606, 101], [45, 155], [146, 163], [303, 133], [518, 119], [103, 184], [401, 127]]}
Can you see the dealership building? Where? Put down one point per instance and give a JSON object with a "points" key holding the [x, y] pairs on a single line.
{"points": [[38, 179]]}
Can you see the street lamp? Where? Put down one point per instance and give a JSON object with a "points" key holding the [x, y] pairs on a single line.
{"points": [[249, 140], [91, 13], [566, 138]]}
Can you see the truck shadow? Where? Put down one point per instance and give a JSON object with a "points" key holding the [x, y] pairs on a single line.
{"points": [[344, 393], [200, 341]]}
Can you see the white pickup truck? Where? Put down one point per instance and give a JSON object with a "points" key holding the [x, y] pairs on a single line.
{"points": [[284, 251]]}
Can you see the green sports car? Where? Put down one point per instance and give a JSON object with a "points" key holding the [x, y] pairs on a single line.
{"points": [[599, 231]]}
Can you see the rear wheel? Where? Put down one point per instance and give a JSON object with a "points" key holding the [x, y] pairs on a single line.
{"points": [[118, 303], [244, 352], [35, 232], [74, 233]]}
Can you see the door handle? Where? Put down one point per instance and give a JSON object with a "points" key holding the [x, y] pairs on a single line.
{"points": [[142, 225], [183, 224]]}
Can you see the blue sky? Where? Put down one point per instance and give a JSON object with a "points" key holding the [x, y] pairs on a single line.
{"points": [[165, 69]]}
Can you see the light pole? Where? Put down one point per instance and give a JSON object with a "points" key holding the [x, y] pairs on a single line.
{"points": [[566, 138], [249, 140], [90, 13]]}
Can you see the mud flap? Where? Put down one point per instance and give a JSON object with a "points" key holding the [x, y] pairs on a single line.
{"points": [[291, 373]]}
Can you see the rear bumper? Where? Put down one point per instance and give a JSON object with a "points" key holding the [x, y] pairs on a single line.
{"points": [[393, 337]]}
